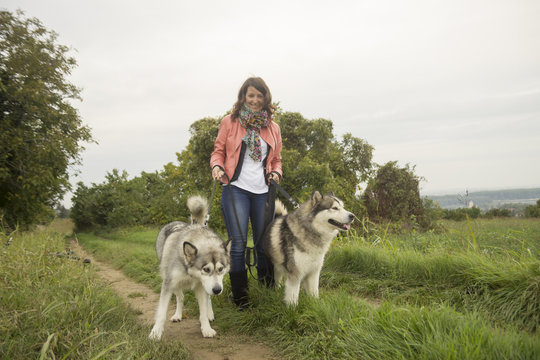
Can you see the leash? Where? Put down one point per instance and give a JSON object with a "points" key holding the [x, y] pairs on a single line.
{"points": [[284, 193], [250, 251], [268, 218]]}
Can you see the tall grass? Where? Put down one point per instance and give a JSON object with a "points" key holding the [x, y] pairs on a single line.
{"points": [[506, 291], [452, 303], [502, 237], [56, 307], [338, 326]]}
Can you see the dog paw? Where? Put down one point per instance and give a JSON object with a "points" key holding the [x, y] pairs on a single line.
{"points": [[176, 318], [208, 332], [291, 302], [155, 334]]}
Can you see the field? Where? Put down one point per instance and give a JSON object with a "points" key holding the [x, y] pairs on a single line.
{"points": [[55, 307], [472, 291], [469, 292]]}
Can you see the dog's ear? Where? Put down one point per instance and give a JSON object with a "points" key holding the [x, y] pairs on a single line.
{"points": [[316, 197], [227, 246], [190, 252], [331, 193]]}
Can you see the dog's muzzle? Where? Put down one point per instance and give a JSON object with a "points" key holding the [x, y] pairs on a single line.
{"points": [[217, 290], [343, 226]]}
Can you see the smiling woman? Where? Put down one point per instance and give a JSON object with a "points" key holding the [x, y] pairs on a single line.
{"points": [[247, 154], [254, 99]]}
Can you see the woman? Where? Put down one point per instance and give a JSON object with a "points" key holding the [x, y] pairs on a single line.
{"points": [[247, 154]]}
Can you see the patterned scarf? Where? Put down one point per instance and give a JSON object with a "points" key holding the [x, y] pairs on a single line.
{"points": [[253, 122]]}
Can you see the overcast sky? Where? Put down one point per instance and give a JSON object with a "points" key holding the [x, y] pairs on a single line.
{"points": [[452, 87]]}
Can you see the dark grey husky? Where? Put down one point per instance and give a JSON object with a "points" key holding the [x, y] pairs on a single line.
{"points": [[297, 242]]}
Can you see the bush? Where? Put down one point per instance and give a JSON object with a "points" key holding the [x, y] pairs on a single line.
{"points": [[393, 195], [461, 214], [533, 211], [497, 213]]}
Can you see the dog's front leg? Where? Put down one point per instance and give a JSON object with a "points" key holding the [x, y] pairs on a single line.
{"points": [[161, 312], [292, 290], [311, 283], [203, 300], [179, 306], [210, 311]]}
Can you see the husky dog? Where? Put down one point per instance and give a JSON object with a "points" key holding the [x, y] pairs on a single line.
{"points": [[191, 257], [296, 243]]}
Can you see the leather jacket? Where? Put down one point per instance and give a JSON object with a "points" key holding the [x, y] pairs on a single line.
{"points": [[228, 146]]}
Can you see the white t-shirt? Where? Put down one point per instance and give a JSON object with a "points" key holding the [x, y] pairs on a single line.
{"points": [[251, 177]]}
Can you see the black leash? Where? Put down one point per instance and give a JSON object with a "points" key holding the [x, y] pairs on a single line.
{"points": [[284, 193], [250, 252]]}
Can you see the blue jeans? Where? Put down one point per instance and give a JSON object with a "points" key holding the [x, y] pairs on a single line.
{"points": [[249, 206]]}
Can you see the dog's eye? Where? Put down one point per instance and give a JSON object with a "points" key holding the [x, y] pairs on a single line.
{"points": [[335, 208], [206, 270], [220, 269]]}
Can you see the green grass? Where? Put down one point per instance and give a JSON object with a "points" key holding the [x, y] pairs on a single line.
{"points": [[504, 291], [501, 237], [441, 296], [56, 308], [133, 252], [338, 326]]}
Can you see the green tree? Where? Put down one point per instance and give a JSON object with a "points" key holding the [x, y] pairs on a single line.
{"points": [[393, 194], [40, 131], [312, 160], [461, 214], [532, 210], [116, 202]]}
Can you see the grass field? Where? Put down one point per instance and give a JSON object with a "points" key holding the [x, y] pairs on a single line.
{"points": [[471, 292], [54, 307]]}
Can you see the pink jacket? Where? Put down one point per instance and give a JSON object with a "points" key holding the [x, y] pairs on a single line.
{"points": [[229, 142]]}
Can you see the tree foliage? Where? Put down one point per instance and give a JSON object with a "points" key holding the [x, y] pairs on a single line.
{"points": [[312, 160], [532, 210], [40, 131], [461, 214], [393, 194]]}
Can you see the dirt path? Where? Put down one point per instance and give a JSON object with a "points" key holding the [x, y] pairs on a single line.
{"points": [[144, 301]]}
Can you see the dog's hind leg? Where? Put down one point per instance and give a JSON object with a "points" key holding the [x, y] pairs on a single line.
{"points": [[292, 290], [161, 313], [279, 273], [179, 306], [203, 300]]}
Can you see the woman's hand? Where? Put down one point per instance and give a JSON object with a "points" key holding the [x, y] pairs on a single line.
{"points": [[217, 173], [273, 176]]}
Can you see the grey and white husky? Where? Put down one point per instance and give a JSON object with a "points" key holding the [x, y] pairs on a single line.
{"points": [[191, 257], [297, 242]]}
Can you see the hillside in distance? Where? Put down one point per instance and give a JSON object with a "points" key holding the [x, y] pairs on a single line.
{"points": [[488, 199]]}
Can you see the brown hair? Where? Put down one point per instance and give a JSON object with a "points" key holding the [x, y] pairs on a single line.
{"points": [[259, 84]]}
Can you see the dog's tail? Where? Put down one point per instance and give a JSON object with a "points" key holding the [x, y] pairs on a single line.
{"points": [[281, 210], [198, 207]]}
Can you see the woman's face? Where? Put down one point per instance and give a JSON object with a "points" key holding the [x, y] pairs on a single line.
{"points": [[254, 99]]}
